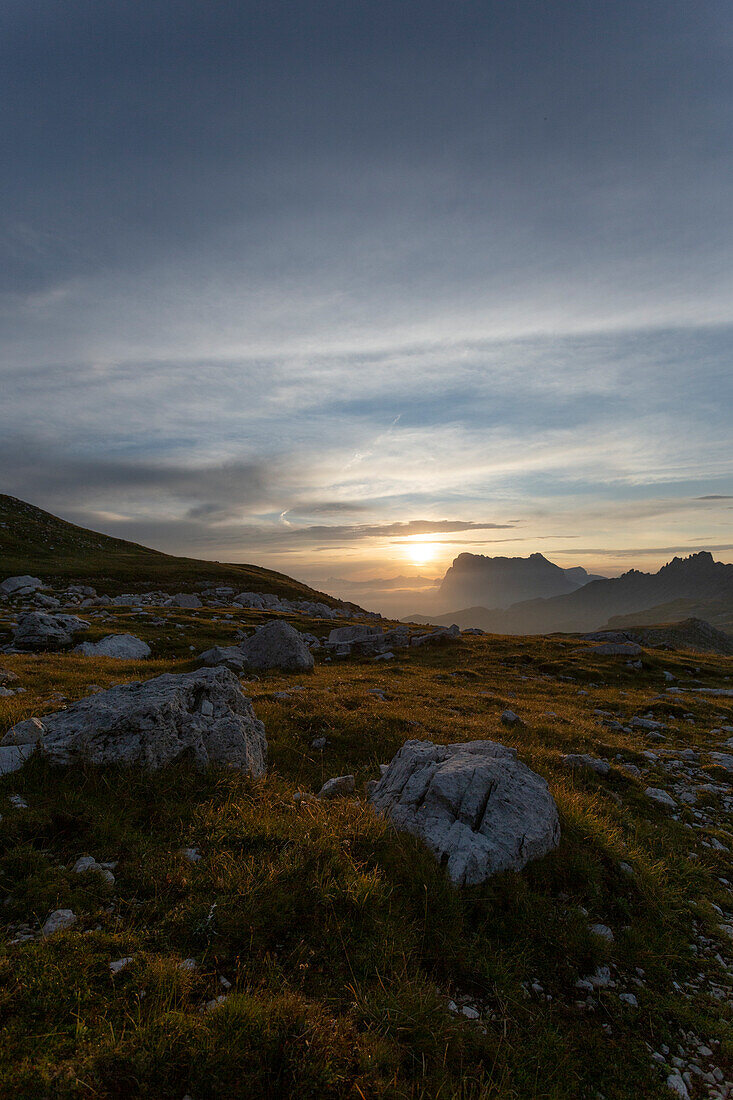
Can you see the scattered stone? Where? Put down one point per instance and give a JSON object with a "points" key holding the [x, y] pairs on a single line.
{"points": [[231, 657], [341, 784], [120, 964], [584, 760], [318, 743], [476, 806], [723, 760], [58, 921], [676, 1084], [89, 863], [660, 796], [18, 802], [602, 930], [193, 855], [123, 647], [509, 718], [188, 600], [629, 999]]}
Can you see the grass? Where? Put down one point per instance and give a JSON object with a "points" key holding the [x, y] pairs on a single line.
{"points": [[36, 542], [342, 941]]}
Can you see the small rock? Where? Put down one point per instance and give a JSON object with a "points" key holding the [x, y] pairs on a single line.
{"points": [[193, 855], [661, 797], [58, 921], [677, 1085], [341, 784], [602, 930], [584, 760], [120, 964]]}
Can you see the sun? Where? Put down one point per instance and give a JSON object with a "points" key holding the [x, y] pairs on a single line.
{"points": [[420, 553]]}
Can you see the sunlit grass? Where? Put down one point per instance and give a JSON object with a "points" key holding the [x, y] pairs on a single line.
{"points": [[342, 941]]}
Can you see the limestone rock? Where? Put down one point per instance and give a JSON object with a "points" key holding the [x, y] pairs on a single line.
{"points": [[585, 760], [38, 630], [125, 647], [20, 586], [340, 784], [479, 808], [230, 656], [185, 600], [660, 796], [278, 645], [723, 760], [13, 757], [89, 863], [203, 713], [29, 732], [58, 921]]}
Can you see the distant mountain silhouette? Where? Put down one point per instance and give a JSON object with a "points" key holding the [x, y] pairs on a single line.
{"points": [[698, 577], [474, 579]]}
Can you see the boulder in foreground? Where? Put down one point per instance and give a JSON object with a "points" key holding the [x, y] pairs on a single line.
{"points": [[475, 805], [204, 714], [277, 645]]}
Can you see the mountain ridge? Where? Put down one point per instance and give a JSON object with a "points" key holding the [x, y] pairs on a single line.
{"points": [[499, 582], [38, 542], [697, 577]]}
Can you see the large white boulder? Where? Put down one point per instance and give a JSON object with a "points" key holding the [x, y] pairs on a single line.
{"points": [[20, 586], [205, 714], [38, 630], [475, 805], [277, 645], [125, 647]]}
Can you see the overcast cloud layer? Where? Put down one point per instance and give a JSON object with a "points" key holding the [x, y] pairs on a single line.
{"points": [[305, 283]]}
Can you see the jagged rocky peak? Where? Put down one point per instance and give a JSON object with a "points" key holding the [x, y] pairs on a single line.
{"points": [[477, 579], [701, 562]]}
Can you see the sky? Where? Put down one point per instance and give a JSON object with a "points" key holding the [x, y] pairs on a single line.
{"points": [[346, 289]]}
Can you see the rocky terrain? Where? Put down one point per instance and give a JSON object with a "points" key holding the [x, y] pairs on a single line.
{"points": [[254, 844]]}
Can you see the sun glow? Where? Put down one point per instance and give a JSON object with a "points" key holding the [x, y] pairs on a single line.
{"points": [[420, 553]]}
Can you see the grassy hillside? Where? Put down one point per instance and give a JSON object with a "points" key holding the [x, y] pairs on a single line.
{"points": [[719, 613], [36, 542], [351, 968]]}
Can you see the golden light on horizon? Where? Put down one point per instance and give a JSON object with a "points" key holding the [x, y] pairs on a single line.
{"points": [[420, 553]]}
